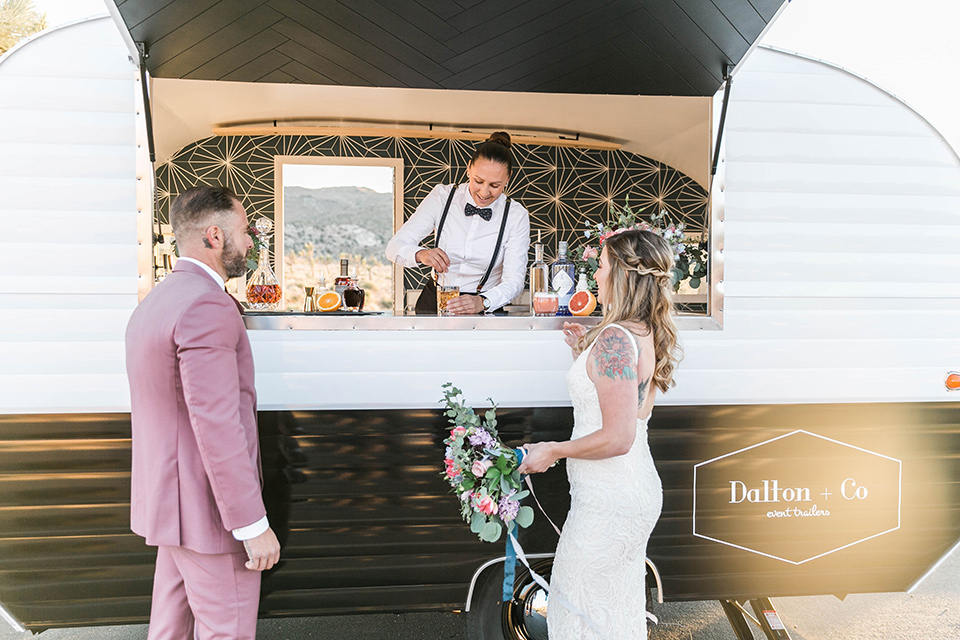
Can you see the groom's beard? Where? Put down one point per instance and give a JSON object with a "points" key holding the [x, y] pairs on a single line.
{"points": [[234, 261]]}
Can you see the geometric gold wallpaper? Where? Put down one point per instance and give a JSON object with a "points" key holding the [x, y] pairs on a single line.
{"points": [[564, 189]]}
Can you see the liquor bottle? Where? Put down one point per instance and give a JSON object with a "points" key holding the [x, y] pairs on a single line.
{"points": [[582, 284], [341, 282], [263, 288], [539, 275], [353, 295], [562, 274]]}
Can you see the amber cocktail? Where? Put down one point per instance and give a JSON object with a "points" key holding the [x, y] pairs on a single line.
{"points": [[444, 295]]}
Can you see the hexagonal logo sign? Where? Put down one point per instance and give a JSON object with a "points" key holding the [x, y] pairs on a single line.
{"points": [[796, 497]]}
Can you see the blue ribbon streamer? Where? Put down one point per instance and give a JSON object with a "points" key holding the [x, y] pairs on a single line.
{"points": [[509, 567]]}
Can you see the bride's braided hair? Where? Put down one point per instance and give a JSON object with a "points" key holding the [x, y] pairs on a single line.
{"points": [[639, 288]]}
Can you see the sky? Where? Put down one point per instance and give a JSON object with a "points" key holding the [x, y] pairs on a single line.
{"points": [[908, 48], [314, 176]]}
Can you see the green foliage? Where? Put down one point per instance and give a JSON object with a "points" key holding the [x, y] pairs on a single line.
{"points": [[483, 474], [689, 251]]}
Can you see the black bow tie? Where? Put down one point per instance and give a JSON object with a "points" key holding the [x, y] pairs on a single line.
{"points": [[470, 210]]}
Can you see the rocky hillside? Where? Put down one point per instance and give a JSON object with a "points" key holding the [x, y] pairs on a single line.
{"points": [[352, 220]]}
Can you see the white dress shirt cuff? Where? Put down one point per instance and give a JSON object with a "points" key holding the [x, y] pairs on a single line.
{"points": [[409, 256], [251, 530]]}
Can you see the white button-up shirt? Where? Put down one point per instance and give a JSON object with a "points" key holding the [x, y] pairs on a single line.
{"points": [[469, 243]]}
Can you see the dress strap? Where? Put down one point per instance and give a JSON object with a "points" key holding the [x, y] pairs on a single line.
{"points": [[633, 340]]}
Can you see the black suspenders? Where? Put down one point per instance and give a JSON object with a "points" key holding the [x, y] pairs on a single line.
{"points": [[496, 250]]}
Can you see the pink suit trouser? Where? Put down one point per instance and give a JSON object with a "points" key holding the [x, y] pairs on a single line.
{"points": [[203, 596]]}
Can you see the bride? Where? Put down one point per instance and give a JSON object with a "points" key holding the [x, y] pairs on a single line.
{"points": [[598, 577]]}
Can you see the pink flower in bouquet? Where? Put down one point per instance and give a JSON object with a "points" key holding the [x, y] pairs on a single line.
{"points": [[480, 467], [484, 504], [590, 252], [457, 431], [451, 467]]}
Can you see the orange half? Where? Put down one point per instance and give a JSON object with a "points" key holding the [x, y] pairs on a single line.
{"points": [[329, 301]]}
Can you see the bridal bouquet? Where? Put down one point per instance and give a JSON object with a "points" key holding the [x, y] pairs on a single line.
{"points": [[690, 253], [482, 471]]}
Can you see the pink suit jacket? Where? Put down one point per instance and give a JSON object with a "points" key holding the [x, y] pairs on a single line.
{"points": [[196, 459]]}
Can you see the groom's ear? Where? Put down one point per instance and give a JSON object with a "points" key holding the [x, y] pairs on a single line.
{"points": [[213, 237]]}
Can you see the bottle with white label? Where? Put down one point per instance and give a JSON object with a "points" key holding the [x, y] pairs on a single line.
{"points": [[562, 274], [582, 284]]}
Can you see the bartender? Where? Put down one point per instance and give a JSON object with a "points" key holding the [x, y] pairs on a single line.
{"points": [[482, 237]]}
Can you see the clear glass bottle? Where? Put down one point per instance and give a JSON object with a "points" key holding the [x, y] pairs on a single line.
{"points": [[539, 275], [582, 284], [562, 274], [263, 287]]}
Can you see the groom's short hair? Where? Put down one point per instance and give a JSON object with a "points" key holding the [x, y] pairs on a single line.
{"points": [[198, 207]]}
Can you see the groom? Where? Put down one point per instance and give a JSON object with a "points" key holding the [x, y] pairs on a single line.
{"points": [[195, 480]]}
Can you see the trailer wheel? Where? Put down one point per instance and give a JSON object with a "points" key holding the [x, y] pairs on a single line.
{"points": [[524, 618]]}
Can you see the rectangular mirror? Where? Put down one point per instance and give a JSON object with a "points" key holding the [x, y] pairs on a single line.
{"points": [[328, 208]]}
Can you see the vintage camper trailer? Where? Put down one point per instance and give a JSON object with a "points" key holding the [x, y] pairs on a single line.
{"points": [[807, 448]]}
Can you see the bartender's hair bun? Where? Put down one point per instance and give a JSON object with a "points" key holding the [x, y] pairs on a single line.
{"points": [[500, 136], [496, 149]]}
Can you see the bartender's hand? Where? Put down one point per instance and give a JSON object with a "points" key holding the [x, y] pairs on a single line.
{"points": [[465, 305], [435, 258]]}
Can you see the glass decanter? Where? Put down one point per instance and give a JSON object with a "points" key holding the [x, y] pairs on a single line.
{"points": [[263, 287]]}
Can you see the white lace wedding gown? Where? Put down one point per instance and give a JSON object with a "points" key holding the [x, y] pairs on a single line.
{"points": [[615, 503]]}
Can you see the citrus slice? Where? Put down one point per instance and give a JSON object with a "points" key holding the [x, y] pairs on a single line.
{"points": [[329, 301], [582, 303]]}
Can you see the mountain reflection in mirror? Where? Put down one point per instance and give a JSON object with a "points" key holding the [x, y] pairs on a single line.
{"points": [[334, 211]]}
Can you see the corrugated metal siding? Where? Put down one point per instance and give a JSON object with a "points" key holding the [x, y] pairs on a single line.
{"points": [[841, 246], [68, 257]]}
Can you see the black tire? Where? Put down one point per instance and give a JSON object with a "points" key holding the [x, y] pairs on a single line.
{"points": [[490, 619]]}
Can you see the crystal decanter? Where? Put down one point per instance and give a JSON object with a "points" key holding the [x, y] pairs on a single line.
{"points": [[263, 287]]}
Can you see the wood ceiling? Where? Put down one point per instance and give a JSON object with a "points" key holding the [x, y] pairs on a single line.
{"points": [[632, 47]]}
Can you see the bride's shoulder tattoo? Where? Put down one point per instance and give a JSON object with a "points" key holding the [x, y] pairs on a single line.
{"points": [[613, 356]]}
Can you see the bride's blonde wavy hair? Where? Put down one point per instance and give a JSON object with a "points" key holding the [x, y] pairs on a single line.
{"points": [[639, 288]]}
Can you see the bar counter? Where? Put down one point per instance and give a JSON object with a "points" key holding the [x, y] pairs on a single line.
{"points": [[345, 321]]}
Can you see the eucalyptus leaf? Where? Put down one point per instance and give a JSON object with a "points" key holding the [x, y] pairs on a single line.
{"points": [[505, 485], [521, 495], [478, 522], [694, 283], [491, 532], [525, 516]]}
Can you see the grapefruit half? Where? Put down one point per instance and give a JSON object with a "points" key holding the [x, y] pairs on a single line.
{"points": [[582, 303]]}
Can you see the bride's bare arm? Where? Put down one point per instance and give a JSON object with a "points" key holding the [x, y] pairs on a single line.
{"points": [[612, 367]]}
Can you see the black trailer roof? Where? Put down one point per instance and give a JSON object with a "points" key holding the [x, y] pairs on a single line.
{"points": [[633, 47]]}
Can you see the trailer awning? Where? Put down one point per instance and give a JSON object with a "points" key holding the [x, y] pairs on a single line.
{"points": [[626, 47]]}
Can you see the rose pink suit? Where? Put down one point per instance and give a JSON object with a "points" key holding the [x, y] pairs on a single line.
{"points": [[196, 460]]}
